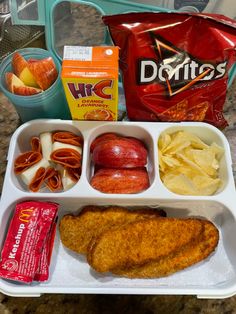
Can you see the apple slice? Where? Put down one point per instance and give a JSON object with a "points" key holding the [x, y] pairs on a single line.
{"points": [[16, 86], [103, 137], [20, 68], [44, 72], [120, 181], [121, 152], [26, 90], [12, 80]]}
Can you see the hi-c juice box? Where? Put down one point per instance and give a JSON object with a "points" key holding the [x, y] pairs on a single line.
{"points": [[90, 80]]}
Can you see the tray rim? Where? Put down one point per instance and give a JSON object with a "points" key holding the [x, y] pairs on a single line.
{"points": [[39, 289]]}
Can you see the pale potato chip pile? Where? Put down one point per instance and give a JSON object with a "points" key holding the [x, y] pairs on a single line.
{"points": [[187, 165]]}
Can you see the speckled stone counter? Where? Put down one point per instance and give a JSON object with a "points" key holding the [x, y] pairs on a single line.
{"points": [[106, 304]]}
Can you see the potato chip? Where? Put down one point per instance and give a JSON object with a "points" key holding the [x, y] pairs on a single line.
{"points": [[188, 166], [171, 161], [200, 185], [206, 160], [186, 170], [206, 185], [183, 139], [219, 151], [191, 164], [161, 163], [164, 141], [180, 184], [188, 152]]}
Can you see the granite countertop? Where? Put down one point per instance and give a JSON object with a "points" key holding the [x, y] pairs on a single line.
{"points": [[55, 303]]}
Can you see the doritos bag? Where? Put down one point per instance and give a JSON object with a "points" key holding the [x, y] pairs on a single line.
{"points": [[174, 65]]}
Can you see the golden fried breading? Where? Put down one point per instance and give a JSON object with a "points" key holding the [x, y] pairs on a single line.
{"points": [[190, 254], [77, 231], [140, 242]]}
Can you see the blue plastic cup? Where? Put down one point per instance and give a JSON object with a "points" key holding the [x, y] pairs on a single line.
{"points": [[50, 103]]}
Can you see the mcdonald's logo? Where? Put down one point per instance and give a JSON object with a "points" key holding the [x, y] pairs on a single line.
{"points": [[25, 215]]}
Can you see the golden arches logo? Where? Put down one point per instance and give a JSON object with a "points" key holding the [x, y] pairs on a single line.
{"points": [[25, 215]]}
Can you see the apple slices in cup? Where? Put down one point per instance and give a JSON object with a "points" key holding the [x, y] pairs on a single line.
{"points": [[30, 77]]}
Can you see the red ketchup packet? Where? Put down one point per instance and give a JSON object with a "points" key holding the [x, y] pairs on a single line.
{"points": [[42, 272], [174, 65], [29, 242]]}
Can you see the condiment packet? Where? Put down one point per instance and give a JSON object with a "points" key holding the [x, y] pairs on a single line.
{"points": [[42, 272], [26, 240]]}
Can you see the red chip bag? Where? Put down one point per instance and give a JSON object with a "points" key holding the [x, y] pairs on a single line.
{"points": [[174, 65]]}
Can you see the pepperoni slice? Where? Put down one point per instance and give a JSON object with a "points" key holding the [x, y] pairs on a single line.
{"points": [[74, 173], [68, 138], [67, 157], [26, 160], [37, 180], [54, 182], [50, 177], [35, 144]]}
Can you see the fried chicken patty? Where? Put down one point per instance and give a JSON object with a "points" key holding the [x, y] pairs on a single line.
{"points": [[77, 231], [192, 253], [137, 243]]}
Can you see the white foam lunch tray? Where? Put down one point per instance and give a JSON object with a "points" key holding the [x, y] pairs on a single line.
{"points": [[214, 277]]}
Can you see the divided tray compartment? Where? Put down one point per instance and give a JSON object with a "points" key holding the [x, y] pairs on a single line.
{"points": [[128, 130], [214, 277]]}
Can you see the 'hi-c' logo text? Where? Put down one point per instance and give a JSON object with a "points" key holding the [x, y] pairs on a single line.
{"points": [[81, 90]]}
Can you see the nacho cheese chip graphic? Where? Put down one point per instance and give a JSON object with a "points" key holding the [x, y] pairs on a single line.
{"points": [[177, 112], [181, 112], [187, 165], [198, 112]]}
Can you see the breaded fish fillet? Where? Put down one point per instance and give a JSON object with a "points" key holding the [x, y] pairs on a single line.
{"points": [[77, 231], [140, 242], [190, 254]]}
